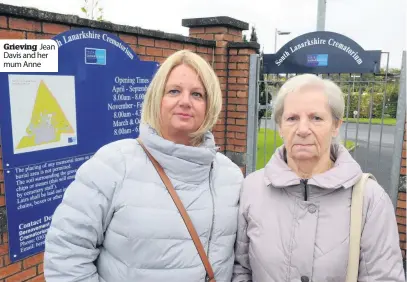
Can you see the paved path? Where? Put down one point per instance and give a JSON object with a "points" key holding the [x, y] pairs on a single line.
{"points": [[373, 155]]}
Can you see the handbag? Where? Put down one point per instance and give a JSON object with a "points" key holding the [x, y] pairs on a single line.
{"points": [[356, 227], [198, 244]]}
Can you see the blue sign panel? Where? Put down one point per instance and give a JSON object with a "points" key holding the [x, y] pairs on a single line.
{"points": [[322, 52], [319, 60], [51, 123], [95, 56]]}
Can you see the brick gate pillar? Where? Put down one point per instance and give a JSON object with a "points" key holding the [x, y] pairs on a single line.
{"points": [[231, 64]]}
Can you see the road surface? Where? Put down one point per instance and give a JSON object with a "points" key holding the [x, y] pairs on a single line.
{"points": [[367, 152], [374, 156]]}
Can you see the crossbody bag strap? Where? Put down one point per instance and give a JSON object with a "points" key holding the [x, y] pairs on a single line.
{"points": [[183, 213], [356, 227]]}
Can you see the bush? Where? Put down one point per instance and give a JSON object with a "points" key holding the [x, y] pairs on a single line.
{"points": [[365, 101]]}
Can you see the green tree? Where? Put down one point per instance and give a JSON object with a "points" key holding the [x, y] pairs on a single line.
{"points": [[264, 95], [244, 38], [92, 10], [253, 35]]}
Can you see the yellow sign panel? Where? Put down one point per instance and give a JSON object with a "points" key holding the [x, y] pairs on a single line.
{"points": [[48, 121]]}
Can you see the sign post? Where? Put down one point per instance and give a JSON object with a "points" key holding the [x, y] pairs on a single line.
{"points": [[51, 123]]}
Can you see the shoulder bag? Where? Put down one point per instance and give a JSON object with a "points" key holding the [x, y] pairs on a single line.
{"points": [[356, 227]]}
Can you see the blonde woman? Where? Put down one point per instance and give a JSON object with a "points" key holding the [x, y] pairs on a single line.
{"points": [[294, 217], [117, 221]]}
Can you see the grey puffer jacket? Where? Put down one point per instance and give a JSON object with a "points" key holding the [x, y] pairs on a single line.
{"points": [[283, 237], [117, 222]]}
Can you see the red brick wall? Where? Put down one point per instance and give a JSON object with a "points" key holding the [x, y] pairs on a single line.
{"points": [[233, 71], [237, 103], [401, 220], [403, 156], [401, 202], [220, 34], [230, 133]]}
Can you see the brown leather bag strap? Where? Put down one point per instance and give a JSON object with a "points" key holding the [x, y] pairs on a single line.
{"points": [[183, 213]]}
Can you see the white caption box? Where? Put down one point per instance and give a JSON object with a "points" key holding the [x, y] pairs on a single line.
{"points": [[28, 55]]}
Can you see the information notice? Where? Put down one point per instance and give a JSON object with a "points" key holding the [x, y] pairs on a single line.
{"points": [[52, 123], [41, 183], [37, 186]]}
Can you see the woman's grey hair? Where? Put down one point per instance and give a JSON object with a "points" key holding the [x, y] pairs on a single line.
{"points": [[297, 83]]}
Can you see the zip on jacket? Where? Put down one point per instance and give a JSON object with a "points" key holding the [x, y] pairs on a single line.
{"points": [[305, 182], [213, 216]]}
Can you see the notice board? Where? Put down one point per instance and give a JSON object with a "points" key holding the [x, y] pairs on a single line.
{"points": [[51, 123]]}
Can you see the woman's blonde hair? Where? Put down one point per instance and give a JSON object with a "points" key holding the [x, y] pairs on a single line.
{"points": [[151, 111]]}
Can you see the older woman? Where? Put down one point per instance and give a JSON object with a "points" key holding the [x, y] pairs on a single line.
{"points": [[294, 216], [118, 221]]}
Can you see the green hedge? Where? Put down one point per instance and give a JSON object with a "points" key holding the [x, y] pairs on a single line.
{"points": [[365, 100], [365, 103]]}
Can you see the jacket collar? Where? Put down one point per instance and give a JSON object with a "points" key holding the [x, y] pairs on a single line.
{"points": [[184, 163]]}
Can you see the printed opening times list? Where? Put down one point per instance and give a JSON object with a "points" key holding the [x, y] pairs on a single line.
{"points": [[127, 100]]}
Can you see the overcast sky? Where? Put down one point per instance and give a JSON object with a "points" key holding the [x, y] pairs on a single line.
{"points": [[374, 24]]}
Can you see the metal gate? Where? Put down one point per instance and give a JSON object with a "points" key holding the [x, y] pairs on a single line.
{"points": [[373, 122]]}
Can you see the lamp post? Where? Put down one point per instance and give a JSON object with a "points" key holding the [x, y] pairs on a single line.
{"points": [[278, 32], [321, 15]]}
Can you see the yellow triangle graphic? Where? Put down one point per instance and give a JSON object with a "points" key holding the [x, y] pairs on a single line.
{"points": [[48, 121]]}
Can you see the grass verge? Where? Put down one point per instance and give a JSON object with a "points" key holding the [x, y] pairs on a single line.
{"points": [[386, 121]]}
